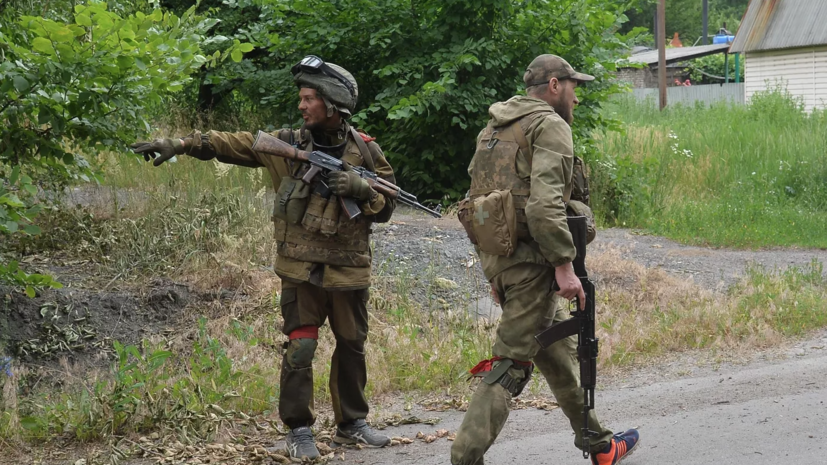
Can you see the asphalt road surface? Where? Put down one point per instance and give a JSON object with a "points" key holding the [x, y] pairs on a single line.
{"points": [[763, 413]]}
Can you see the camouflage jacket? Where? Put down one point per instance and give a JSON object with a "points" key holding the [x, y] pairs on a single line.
{"points": [[548, 170], [235, 148]]}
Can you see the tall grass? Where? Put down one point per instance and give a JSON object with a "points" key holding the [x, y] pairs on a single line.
{"points": [[724, 174]]}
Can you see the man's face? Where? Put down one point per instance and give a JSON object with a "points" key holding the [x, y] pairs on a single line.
{"points": [[565, 99], [314, 111]]}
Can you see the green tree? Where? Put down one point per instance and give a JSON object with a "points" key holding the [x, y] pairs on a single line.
{"points": [[72, 87], [428, 70]]}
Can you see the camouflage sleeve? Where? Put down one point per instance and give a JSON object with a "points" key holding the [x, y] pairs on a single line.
{"points": [[380, 207], [234, 148], [553, 158]]}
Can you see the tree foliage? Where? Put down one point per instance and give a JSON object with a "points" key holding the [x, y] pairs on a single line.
{"points": [[712, 69], [428, 69], [74, 86]]}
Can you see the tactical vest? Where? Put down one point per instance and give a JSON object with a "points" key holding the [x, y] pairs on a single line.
{"points": [[350, 244], [495, 166]]}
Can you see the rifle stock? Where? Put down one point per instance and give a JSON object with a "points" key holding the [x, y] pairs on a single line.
{"points": [[272, 145]]}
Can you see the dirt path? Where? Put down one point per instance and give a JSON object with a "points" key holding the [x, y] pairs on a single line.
{"points": [[421, 244], [714, 268]]}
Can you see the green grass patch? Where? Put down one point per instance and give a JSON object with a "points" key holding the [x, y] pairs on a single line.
{"points": [[747, 176]]}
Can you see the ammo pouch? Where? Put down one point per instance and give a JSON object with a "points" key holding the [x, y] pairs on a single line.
{"points": [[493, 222], [580, 183], [291, 200], [330, 217], [322, 215], [577, 208], [312, 220]]}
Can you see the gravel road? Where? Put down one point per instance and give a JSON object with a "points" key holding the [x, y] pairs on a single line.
{"points": [[766, 412], [427, 247], [713, 268]]}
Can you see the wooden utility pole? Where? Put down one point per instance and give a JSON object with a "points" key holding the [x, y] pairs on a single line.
{"points": [[661, 40], [705, 38]]}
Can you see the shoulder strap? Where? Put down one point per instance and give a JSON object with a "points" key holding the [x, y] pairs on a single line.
{"points": [[363, 149], [286, 135], [521, 127], [289, 135]]}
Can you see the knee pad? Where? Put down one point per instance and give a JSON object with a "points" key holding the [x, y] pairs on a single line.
{"points": [[513, 375], [300, 352], [301, 347]]}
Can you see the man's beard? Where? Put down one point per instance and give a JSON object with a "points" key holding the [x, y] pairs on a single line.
{"points": [[565, 112]]}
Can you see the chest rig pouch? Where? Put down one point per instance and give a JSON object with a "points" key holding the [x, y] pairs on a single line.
{"points": [[291, 200], [292, 194], [312, 205]]}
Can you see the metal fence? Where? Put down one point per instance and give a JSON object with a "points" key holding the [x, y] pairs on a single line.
{"points": [[709, 93]]}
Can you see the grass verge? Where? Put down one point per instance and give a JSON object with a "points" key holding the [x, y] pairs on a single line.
{"points": [[746, 176]]}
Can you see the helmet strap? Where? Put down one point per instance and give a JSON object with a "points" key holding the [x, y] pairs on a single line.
{"points": [[331, 108]]}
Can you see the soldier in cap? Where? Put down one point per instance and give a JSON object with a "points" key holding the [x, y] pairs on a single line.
{"points": [[324, 259], [525, 153]]}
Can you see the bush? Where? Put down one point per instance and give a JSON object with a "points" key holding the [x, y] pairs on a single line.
{"points": [[427, 71], [71, 87]]}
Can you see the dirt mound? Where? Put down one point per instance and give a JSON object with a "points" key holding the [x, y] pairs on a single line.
{"points": [[81, 324]]}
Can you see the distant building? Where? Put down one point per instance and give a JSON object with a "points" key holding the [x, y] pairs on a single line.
{"points": [[676, 70], [785, 43]]}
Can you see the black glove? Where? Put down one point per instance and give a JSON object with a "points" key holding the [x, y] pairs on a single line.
{"points": [[163, 149], [347, 183]]}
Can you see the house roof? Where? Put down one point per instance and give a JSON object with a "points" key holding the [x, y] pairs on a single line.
{"points": [[779, 24], [674, 55]]}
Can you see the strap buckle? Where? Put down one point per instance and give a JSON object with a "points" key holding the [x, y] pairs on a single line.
{"points": [[493, 141]]}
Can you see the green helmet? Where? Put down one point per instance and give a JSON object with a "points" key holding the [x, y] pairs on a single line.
{"points": [[332, 81]]}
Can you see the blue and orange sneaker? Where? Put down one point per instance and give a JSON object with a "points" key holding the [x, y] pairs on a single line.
{"points": [[619, 448]]}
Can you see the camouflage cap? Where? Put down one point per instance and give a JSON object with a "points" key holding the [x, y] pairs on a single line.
{"points": [[547, 66]]}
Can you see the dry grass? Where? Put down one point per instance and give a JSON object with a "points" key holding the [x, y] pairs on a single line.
{"points": [[638, 141], [644, 312]]}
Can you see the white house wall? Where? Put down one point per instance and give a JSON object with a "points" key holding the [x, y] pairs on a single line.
{"points": [[802, 71]]}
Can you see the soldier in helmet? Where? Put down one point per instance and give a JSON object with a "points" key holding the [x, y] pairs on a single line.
{"points": [[525, 155], [324, 258]]}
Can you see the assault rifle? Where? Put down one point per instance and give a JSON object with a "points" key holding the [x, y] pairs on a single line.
{"points": [[582, 324], [321, 164]]}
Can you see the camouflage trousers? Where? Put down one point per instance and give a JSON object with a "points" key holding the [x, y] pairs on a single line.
{"points": [[307, 305], [528, 305]]}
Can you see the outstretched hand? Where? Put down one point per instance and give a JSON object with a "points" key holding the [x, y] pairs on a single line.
{"points": [[159, 150]]}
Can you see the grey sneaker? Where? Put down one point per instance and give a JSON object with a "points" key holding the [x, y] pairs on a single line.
{"points": [[358, 432], [301, 444]]}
